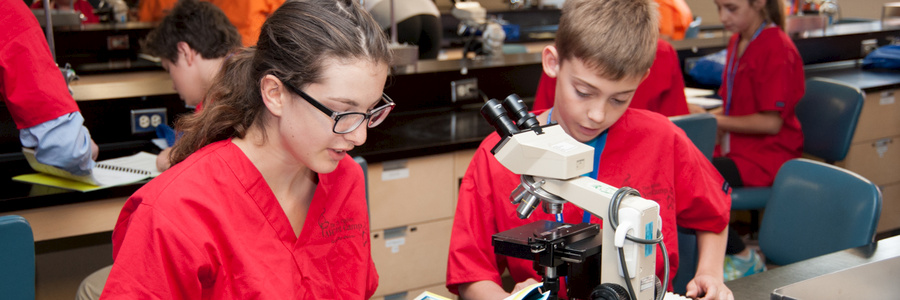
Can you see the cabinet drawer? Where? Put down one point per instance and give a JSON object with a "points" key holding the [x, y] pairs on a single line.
{"points": [[411, 191], [461, 160], [880, 116], [890, 208], [439, 289], [878, 160], [410, 257]]}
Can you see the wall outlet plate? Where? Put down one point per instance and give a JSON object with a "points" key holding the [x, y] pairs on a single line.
{"points": [[867, 46], [464, 89], [146, 120]]}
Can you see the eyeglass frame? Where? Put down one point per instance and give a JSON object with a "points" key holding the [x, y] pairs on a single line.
{"points": [[336, 116]]}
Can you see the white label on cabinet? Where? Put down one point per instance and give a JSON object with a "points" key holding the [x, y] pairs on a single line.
{"points": [[394, 169], [887, 98], [395, 174], [394, 244]]}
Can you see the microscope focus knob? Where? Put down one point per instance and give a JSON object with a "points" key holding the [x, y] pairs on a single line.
{"points": [[609, 291]]}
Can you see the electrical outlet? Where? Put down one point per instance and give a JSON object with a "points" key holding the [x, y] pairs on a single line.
{"points": [[464, 89], [868, 46], [146, 120]]}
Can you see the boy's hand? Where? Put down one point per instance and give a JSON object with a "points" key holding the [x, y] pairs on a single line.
{"points": [[708, 288]]}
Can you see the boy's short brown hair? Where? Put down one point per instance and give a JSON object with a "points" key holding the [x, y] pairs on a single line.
{"points": [[617, 38], [202, 25]]}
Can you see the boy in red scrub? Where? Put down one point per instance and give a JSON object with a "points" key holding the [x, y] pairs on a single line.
{"points": [[35, 93], [596, 79], [662, 91], [759, 131], [262, 201], [192, 41]]}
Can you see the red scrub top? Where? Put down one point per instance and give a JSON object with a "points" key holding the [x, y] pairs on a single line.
{"points": [[31, 84], [644, 150], [662, 91], [769, 78], [211, 228]]}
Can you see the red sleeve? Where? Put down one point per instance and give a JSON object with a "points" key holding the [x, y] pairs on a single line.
{"points": [[546, 93], [30, 82], [140, 270], [703, 197], [663, 90], [471, 256], [779, 83], [672, 102]]}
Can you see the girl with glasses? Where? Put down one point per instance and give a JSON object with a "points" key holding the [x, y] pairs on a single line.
{"points": [[262, 201]]}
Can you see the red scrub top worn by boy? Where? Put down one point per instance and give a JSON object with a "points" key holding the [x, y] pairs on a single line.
{"points": [[210, 228], [644, 150], [769, 78], [662, 91], [31, 85]]}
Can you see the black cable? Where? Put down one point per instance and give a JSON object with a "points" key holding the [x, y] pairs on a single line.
{"points": [[625, 272]]}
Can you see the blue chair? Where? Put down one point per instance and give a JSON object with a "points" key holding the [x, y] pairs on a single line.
{"points": [[16, 258], [701, 129], [828, 113], [815, 209]]}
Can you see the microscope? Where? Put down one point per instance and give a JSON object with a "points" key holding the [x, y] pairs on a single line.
{"points": [[616, 261], [482, 36]]}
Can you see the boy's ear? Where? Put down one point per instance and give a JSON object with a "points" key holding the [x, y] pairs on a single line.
{"points": [[187, 53], [550, 61], [274, 94]]}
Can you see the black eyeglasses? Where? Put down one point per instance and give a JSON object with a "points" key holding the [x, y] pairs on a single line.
{"points": [[347, 122]]}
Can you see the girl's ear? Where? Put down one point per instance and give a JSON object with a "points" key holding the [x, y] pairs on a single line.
{"points": [[274, 94]]}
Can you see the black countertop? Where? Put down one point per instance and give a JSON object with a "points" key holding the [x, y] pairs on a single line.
{"points": [[402, 135]]}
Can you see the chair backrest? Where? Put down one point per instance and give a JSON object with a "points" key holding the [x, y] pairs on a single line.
{"points": [[815, 209], [701, 129], [687, 259], [828, 113], [16, 258]]}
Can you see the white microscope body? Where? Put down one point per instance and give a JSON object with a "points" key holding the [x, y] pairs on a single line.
{"points": [[552, 164]]}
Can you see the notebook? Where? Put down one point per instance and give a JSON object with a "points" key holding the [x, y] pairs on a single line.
{"points": [[107, 173]]}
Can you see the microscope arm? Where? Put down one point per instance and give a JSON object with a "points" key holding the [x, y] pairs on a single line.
{"points": [[637, 217]]}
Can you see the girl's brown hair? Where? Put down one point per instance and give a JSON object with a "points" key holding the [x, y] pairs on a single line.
{"points": [[294, 44]]}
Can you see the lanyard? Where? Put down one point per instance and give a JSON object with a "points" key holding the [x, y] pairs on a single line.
{"points": [[598, 143], [733, 67]]}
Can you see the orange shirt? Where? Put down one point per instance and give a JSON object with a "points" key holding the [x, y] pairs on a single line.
{"points": [[674, 18], [248, 15]]}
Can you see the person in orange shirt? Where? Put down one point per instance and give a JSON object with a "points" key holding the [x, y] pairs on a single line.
{"points": [[248, 16], [674, 19]]}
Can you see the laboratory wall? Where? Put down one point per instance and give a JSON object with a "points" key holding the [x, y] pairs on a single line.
{"points": [[868, 9]]}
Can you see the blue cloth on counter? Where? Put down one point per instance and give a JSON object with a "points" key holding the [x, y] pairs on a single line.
{"points": [[708, 69], [884, 57], [53, 144]]}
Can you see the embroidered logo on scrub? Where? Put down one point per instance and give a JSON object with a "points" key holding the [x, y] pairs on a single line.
{"points": [[342, 229]]}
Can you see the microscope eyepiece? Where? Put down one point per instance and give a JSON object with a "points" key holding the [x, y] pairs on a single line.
{"points": [[493, 112], [518, 111]]}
